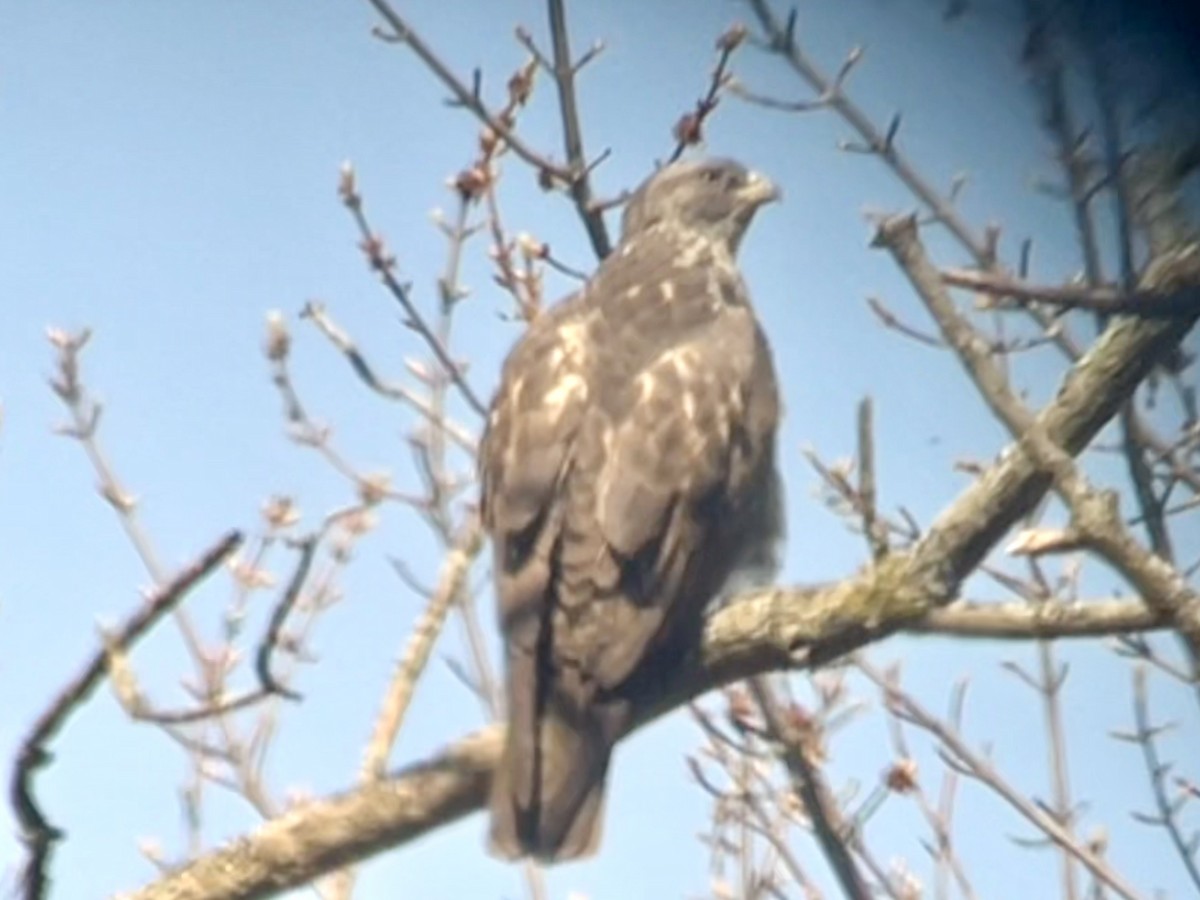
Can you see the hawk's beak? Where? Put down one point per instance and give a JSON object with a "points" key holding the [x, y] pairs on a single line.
{"points": [[759, 189]]}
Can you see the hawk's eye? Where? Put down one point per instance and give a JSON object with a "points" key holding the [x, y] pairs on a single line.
{"points": [[729, 179]]}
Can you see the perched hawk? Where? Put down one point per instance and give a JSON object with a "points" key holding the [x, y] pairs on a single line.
{"points": [[628, 473]]}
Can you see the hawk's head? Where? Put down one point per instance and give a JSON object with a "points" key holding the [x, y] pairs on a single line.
{"points": [[715, 198]]}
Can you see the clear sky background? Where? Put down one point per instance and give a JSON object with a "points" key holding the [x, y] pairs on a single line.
{"points": [[167, 177]]}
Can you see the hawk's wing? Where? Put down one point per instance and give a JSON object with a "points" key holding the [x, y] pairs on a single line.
{"points": [[677, 461], [524, 458], [543, 389]]}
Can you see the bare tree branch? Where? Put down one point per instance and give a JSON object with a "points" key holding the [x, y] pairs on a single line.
{"points": [[1166, 809], [37, 833], [1048, 620], [1101, 298], [689, 130], [1093, 515], [384, 264], [970, 763], [279, 613], [781, 40], [317, 314], [833, 834], [579, 182], [416, 655], [466, 97]]}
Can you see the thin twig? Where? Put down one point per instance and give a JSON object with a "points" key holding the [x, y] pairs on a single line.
{"points": [[85, 415], [689, 130], [466, 97], [940, 818], [416, 655], [1050, 682], [1042, 57], [1167, 809], [38, 835], [1098, 298], [892, 321], [781, 40], [875, 533], [578, 179], [979, 768], [832, 832], [208, 711], [319, 316], [384, 265], [728, 752], [273, 635]]}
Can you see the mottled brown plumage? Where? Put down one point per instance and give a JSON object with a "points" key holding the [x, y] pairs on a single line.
{"points": [[628, 474]]}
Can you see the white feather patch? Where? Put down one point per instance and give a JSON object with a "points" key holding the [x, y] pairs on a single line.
{"points": [[569, 388], [646, 383], [572, 341]]}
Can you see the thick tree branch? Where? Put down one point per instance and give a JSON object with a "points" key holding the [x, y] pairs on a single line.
{"points": [[1093, 513], [1022, 621], [1091, 394], [755, 634]]}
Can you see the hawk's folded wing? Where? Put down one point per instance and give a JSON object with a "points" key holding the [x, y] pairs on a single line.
{"points": [[678, 462], [524, 458]]}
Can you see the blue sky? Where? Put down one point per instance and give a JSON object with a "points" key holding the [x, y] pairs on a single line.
{"points": [[168, 177]]}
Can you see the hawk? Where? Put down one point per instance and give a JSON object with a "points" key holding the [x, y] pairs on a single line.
{"points": [[628, 477]]}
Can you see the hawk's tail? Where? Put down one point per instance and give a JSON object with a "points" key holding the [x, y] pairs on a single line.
{"points": [[560, 816]]}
